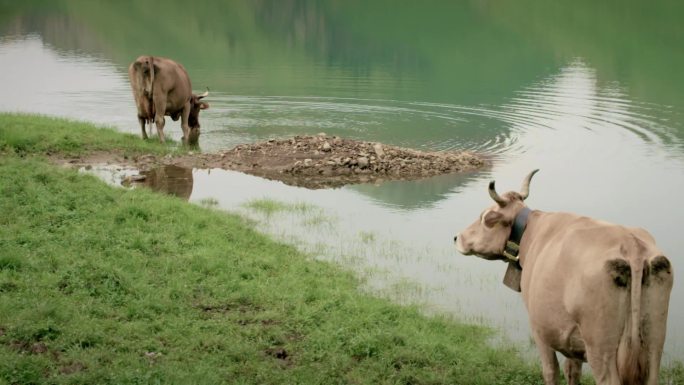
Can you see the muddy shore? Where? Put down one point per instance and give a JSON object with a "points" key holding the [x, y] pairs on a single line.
{"points": [[318, 161]]}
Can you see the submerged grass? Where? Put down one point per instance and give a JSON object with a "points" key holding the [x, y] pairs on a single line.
{"points": [[112, 286], [311, 216], [271, 206]]}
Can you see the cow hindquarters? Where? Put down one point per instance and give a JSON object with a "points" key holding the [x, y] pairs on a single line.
{"points": [[655, 302], [641, 348], [599, 302]]}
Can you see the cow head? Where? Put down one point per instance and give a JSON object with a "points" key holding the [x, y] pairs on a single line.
{"points": [[196, 104], [488, 235]]}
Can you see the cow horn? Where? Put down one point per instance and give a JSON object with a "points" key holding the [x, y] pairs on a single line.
{"points": [[205, 94], [525, 190], [492, 193]]}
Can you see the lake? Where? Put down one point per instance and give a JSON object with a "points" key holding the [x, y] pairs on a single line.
{"points": [[592, 94]]}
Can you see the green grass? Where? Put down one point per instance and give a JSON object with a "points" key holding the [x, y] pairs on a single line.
{"points": [[129, 287], [311, 216], [32, 134], [105, 285], [270, 206], [100, 285], [209, 202], [367, 237]]}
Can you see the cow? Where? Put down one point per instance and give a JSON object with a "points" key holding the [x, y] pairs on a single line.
{"points": [[596, 292], [162, 87]]}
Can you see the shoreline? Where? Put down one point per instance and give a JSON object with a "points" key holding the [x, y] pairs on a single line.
{"points": [[178, 292]]}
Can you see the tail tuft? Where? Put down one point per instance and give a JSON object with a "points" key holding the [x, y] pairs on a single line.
{"points": [[635, 370]]}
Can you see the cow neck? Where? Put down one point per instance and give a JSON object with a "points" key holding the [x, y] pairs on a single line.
{"points": [[513, 244]]}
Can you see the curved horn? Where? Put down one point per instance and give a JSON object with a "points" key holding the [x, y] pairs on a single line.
{"points": [[495, 195], [525, 189], [205, 94]]}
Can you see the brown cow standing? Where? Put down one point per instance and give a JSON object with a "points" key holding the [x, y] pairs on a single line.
{"points": [[162, 87], [594, 291]]}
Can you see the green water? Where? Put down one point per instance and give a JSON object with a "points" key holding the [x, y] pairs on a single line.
{"points": [[590, 92], [458, 52]]}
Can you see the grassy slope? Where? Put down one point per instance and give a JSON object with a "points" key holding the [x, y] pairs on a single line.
{"points": [[104, 285], [32, 134]]}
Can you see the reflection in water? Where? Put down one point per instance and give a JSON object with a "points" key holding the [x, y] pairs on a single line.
{"points": [[39, 79], [416, 195], [170, 179], [575, 99]]}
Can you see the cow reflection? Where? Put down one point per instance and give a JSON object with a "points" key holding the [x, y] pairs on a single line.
{"points": [[172, 180]]}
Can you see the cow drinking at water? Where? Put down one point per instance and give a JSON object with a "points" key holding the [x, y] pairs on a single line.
{"points": [[162, 87], [594, 291]]}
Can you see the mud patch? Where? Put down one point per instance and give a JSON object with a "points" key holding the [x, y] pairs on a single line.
{"points": [[281, 356], [314, 162]]}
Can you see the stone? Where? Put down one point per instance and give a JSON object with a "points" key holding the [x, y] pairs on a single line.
{"points": [[326, 147], [362, 162], [377, 147]]}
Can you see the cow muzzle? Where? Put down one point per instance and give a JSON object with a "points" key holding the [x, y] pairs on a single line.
{"points": [[193, 136], [460, 247]]}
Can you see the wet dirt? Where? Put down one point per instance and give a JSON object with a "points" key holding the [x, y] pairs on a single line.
{"points": [[314, 162]]}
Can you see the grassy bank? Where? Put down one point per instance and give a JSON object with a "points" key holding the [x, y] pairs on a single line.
{"points": [[30, 134], [103, 285]]}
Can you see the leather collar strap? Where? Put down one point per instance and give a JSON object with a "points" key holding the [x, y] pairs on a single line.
{"points": [[513, 243]]}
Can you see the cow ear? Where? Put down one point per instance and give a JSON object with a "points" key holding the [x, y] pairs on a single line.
{"points": [[491, 218], [204, 105]]}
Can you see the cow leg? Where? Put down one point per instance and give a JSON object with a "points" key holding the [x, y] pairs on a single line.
{"points": [[160, 111], [142, 126], [604, 367], [573, 371], [184, 122], [151, 127], [159, 122], [550, 369]]}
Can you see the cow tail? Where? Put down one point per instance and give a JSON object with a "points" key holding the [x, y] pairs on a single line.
{"points": [[634, 370], [152, 74], [152, 111]]}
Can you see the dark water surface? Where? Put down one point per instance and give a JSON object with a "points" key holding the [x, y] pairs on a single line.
{"points": [[593, 94]]}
